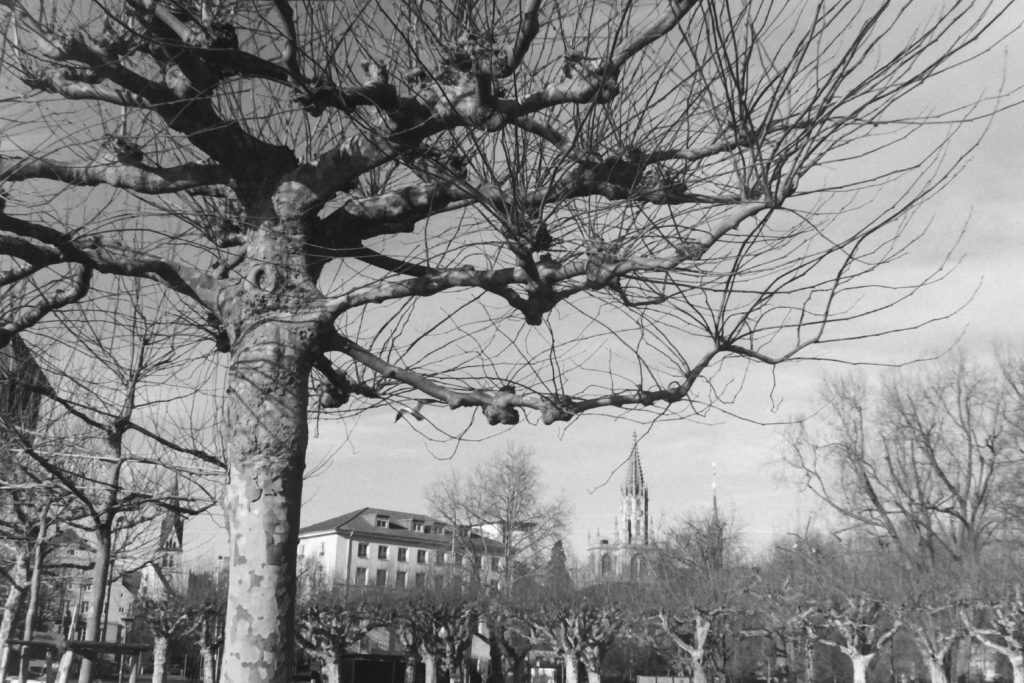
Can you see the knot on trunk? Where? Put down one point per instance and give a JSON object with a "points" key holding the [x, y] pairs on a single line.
{"points": [[556, 409], [500, 410], [262, 278]]}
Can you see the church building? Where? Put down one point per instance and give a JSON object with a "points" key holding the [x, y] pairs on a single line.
{"points": [[627, 554]]}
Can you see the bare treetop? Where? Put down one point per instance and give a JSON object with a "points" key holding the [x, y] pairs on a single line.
{"points": [[528, 209]]}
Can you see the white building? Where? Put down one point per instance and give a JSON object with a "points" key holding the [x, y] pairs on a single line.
{"points": [[388, 548]]}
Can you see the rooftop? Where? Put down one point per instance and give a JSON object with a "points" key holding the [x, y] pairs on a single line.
{"points": [[394, 524]]}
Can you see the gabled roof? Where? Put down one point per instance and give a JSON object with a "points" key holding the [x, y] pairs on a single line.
{"points": [[364, 522], [365, 519]]}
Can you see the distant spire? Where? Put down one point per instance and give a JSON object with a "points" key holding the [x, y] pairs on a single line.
{"points": [[633, 483], [172, 527], [714, 489]]}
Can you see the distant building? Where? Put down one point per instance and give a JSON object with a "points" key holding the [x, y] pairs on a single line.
{"points": [[71, 562], [627, 554], [166, 570], [388, 548]]}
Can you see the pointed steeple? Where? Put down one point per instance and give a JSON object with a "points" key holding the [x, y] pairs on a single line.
{"points": [[714, 490], [172, 526], [634, 500], [633, 483]]}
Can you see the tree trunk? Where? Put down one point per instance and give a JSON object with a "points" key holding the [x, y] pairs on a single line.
{"points": [[430, 669], [860, 666], [159, 658], [809, 652], [64, 668], [33, 589], [572, 668], [209, 658], [410, 669], [1017, 664], [699, 675], [936, 670], [11, 604], [593, 677], [100, 575], [267, 431]]}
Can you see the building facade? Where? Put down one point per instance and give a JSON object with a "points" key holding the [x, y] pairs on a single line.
{"points": [[394, 549]]}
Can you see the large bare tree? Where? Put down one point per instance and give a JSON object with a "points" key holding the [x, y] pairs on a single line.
{"points": [[503, 500], [523, 209], [927, 459]]}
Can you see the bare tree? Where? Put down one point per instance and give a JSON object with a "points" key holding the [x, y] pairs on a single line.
{"points": [[927, 462], [503, 500], [331, 623], [100, 451], [537, 210], [580, 628]]}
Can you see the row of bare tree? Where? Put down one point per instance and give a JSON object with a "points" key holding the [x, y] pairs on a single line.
{"points": [[811, 596]]}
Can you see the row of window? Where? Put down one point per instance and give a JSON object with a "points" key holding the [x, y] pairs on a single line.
{"points": [[418, 525], [440, 557]]}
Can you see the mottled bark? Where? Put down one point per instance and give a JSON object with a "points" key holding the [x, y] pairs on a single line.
{"points": [[410, 669], [273, 341], [159, 658], [11, 604], [429, 669]]}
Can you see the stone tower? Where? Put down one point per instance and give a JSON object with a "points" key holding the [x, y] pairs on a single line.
{"points": [[633, 515]]}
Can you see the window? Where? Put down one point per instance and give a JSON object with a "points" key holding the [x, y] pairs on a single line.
{"points": [[417, 525], [363, 549], [458, 558], [637, 568], [478, 561], [495, 564], [421, 557], [403, 554], [360, 576], [321, 550], [439, 582], [382, 552], [421, 580], [302, 549], [428, 530], [607, 565], [382, 521], [399, 579], [84, 607], [442, 557], [382, 577]]}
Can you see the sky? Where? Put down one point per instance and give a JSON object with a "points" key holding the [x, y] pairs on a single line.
{"points": [[376, 461]]}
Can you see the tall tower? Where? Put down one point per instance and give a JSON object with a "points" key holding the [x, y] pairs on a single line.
{"points": [[172, 535], [633, 513]]}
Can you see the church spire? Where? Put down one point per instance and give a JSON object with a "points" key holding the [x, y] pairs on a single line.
{"points": [[172, 526], [714, 490], [634, 500], [633, 483]]}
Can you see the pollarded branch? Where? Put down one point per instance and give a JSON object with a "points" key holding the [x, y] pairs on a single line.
{"points": [[52, 296], [116, 169], [42, 246], [500, 406], [598, 271]]}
